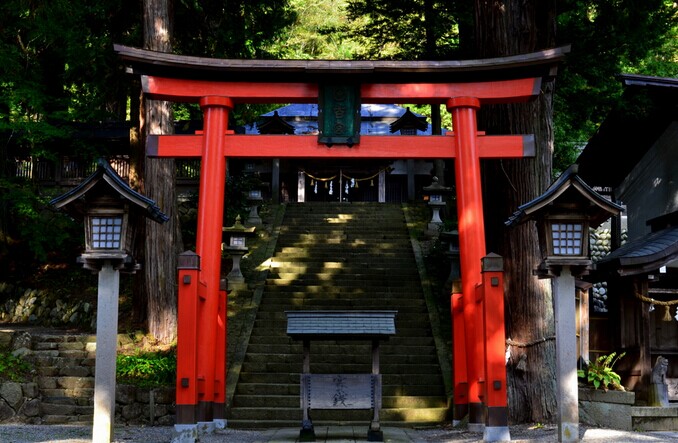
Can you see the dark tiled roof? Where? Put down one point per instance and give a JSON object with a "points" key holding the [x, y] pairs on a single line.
{"points": [[645, 254], [347, 324]]}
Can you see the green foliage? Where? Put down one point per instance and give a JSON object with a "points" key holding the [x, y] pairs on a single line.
{"points": [[608, 37], [404, 29], [318, 32], [31, 231], [235, 29], [600, 373], [13, 368], [147, 369]]}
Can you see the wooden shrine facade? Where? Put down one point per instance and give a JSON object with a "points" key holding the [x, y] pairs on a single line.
{"points": [[218, 85]]}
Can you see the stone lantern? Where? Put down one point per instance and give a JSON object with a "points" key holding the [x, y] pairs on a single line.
{"points": [[435, 193], [563, 215], [236, 247], [106, 203], [254, 199]]}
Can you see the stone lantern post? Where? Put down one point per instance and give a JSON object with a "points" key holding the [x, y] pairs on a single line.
{"points": [[563, 216], [105, 203]]}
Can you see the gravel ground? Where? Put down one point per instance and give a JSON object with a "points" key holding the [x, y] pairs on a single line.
{"points": [[17, 433]]}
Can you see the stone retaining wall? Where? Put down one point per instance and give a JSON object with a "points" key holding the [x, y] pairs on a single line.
{"points": [[22, 403]]}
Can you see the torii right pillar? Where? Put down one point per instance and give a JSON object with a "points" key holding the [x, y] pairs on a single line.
{"points": [[482, 417]]}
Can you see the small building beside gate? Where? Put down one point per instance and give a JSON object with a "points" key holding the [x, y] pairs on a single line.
{"points": [[633, 158]]}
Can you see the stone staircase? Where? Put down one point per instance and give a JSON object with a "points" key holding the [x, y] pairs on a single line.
{"points": [[332, 256], [64, 365]]}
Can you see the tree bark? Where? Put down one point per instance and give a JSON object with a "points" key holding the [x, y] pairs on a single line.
{"points": [[502, 29], [162, 241]]}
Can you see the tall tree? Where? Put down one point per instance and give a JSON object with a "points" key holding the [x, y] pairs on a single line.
{"points": [[162, 241], [404, 29], [503, 29]]}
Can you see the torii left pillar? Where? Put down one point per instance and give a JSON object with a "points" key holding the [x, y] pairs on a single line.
{"points": [[201, 358]]}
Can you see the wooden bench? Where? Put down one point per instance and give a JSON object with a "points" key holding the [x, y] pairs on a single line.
{"points": [[340, 391]]}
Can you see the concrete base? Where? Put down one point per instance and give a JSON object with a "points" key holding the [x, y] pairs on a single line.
{"points": [[190, 433], [496, 433], [185, 434], [568, 432]]}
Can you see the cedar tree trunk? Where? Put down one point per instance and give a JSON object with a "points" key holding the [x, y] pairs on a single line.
{"points": [[162, 241], [509, 28]]}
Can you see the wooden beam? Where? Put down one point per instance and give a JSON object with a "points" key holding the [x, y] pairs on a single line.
{"points": [[505, 91], [370, 147]]}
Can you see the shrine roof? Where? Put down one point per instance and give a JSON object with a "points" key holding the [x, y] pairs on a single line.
{"points": [[626, 135], [641, 256], [537, 64], [340, 324]]}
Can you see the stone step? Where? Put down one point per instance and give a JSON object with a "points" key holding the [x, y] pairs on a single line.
{"points": [[402, 319], [411, 322], [409, 369], [408, 415], [366, 276], [70, 371], [345, 358], [328, 289], [396, 341], [320, 348], [60, 362], [333, 257], [292, 401], [75, 393], [422, 331], [393, 384], [65, 382]]}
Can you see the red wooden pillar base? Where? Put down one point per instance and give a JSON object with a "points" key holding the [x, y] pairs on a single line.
{"points": [[460, 409], [187, 333], [220, 372], [495, 395]]}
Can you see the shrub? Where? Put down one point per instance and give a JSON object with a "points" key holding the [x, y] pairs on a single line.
{"points": [[13, 368], [147, 369], [600, 373]]}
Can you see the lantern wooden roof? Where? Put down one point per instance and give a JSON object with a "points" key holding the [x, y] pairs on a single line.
{"points": [[105, 181], [436, 188], [571, 193]]}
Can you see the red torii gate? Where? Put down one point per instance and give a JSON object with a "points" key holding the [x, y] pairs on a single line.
{"points": [[479, 374]]}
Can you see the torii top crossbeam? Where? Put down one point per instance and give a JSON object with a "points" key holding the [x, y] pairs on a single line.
{"points": [[217, 84]]}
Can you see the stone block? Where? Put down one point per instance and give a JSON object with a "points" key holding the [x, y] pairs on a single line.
{"points": [[31, 408], [12, 394], [30, 390], [75, 382], [125, 394], [5, 411], [47, 409], [609, 409]]}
